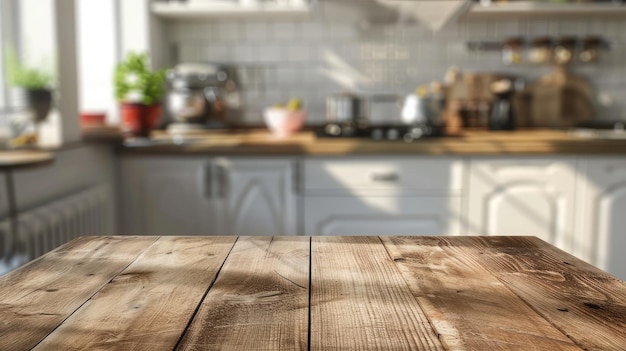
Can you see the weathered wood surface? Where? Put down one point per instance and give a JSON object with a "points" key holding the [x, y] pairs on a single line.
{"points": [[260, 300], [320, 293], [468, 306], [583, 302], [147, 306], [38, 297], [360, 302]]}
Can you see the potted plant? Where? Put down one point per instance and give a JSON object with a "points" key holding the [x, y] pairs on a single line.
{"points": [[36, 84], [139, 91]]}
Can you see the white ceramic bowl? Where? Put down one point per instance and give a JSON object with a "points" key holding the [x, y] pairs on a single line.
{"points": [[283, 122]]}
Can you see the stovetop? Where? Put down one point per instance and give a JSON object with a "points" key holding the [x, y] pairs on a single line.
{"points": [[402, 133]]}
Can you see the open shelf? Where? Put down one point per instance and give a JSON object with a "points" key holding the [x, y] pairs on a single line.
{"points": [[173, 10], [533, 8]]}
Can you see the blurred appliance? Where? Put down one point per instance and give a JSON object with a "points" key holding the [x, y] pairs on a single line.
{"points": [[424, 107], [403, 133], [348, 116], [203, 95], [502, 113], [486, 101], [345, 113]]}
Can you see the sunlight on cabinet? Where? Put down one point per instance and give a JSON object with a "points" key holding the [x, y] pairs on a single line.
{"points": [[525, 196], [601, 195]]}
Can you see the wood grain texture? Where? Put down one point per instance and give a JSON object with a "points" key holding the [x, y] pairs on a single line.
{"points": [[583, 302], [469, 308], [148, 306], [259, 301], [38, 297], [360, 302]]}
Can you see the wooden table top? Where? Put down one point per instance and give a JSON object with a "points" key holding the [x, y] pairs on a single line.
{"points": [[319, 293]]}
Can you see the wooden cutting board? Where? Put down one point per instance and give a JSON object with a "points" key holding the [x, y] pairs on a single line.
{"points": [[561, 99]]}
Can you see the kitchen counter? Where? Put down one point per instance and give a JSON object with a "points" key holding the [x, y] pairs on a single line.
{"points": [[15, 159], [316, 293], [260, 142]]}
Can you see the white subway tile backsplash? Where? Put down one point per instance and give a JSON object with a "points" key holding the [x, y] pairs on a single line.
{"points": [[285, 31], [217, 53], [312, 31], [257, 31], [298, 53], [243, 53], [505, 29], [316, 57], [230, 31], [342, 32], [270, 53]]}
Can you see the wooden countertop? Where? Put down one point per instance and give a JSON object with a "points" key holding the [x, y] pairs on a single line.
{"points": [[260, 142], [319, 293], [13, 159]]}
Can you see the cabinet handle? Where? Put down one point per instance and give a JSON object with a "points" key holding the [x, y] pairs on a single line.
{"points": [[208, 181], [222, 178], [384, 177], [297, 177]]}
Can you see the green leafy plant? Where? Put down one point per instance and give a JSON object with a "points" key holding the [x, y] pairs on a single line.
{"points": [[136, 82], [26, 77]]}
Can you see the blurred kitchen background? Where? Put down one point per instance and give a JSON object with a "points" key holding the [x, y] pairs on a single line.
{"points": [[413, 117]]}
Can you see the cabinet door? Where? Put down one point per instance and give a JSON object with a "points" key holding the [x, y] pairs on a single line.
{"points": [[382, 215], [523, 196], [601, 214], [259, 196], [166, 196]]}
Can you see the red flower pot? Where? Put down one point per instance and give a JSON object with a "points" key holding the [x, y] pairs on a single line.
{"points": [[140, 119]]}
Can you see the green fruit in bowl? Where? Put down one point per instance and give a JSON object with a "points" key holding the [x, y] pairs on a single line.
{"points": [[294, 105]]}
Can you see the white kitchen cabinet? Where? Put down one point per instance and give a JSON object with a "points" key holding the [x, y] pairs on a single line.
{"points": [[523, 196], [382, 215], [383, 196], [204, 196], [258, 197], [166, 196], [601, 214]]}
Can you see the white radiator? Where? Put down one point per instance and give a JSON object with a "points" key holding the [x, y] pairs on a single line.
{"points": [[89, 212]]}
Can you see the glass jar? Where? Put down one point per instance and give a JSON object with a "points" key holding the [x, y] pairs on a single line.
{"points": [[540, 50], [590, 50], [512, 51], [564, 51]]}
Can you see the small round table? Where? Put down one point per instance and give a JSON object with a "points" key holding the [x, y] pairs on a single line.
{"points": [[11, 161]]}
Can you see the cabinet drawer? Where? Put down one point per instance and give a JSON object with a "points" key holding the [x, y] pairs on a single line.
{"points": [[382, 215], [431, 175]]}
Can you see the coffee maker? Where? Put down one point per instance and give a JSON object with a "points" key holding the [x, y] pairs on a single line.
{"points": [[203, 96]]}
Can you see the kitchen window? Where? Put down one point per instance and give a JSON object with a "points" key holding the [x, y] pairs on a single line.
{"points": [[28, 27]]}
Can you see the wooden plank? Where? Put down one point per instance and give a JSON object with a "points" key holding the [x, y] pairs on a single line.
{"points": [[260, 300], [469, 308], [583, 302], [359, 301], [148, 306], [38, 297]]}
